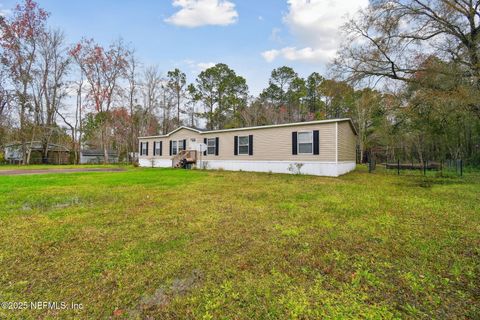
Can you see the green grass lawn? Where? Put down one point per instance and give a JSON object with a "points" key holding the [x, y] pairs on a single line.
{"points": [[176, 244], [50, 166]]}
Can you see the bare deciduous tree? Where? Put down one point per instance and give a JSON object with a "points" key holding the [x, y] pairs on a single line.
{"points": [[19, 37], [103, 70], [49, 86], [152, 86], [392, 39], [131, 95]]}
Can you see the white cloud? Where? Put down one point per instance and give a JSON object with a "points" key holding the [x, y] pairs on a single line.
{"points": [[270, 55], [275, 35], [315, 25], [197, 67], [205, 65], [4, 12], [196, 13], [303, 54]]}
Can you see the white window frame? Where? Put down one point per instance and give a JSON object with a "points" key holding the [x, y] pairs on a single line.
{"points": [[214, 146], [144, 149], [180, 142], [156, 147], [243, 145], [174, 147], [298, 141]]}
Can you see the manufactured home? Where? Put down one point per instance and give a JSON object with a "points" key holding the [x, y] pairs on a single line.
{"points": [[323, 148], [57, 154]]}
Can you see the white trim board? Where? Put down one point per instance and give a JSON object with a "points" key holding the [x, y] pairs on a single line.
{"points": [[256, 127]]}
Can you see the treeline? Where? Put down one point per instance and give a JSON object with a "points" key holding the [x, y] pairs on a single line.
{"points": [[103, 97], [427, 55]]}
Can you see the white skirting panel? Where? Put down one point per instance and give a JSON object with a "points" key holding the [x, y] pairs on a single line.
{"points": [[317, 168], [345, 167], [157, 163]]}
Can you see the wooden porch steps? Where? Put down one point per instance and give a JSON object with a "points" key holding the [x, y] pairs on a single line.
{"points": [[184, 158]]}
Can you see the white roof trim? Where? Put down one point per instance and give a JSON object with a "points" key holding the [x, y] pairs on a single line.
{"points": [[257, 127], [172, 132]]}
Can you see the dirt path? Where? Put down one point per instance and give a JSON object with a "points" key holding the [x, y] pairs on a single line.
{"points": [[47, 171]]}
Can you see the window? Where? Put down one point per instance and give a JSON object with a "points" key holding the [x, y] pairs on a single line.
{"points": [[174, 147], [180, 145], [157, 146], [143, 150], [211, 146], [243, 145], [305, 142], [177, 146]]}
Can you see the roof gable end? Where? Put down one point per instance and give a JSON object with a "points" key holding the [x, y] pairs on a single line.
{"points": [[182, 127]]}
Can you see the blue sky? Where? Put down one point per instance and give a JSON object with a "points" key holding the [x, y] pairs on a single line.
{"points": [[252, 37]]}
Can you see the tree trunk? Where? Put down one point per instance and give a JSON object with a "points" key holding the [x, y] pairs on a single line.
{"points": [[105, 145], [29, 153], [131, 145], [178, 108], [23, 140]]}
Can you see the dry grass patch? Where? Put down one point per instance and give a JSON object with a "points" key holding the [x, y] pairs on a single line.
{"points": [[172, 244]]}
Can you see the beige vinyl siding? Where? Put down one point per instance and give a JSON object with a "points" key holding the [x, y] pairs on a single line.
{"points": [[346, 142], [269, 144], [275, 144], [179, 135], [182, 134]]}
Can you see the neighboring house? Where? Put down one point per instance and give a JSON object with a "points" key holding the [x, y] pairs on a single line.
{"points": [[324, 148], [57, 154], [97, 156]]}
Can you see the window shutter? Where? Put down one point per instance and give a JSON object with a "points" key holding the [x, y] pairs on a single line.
{"points": [[184, 144], [170, 147], [154, 147], [141, 148], [316, 142], [294, 143], [205, 141], [147, 149], [161, 148], [216, 146], [235, 145], [250, 145]]}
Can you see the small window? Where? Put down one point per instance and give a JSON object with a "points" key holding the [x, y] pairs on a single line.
{"points": [[180, 145], [243, 145], [211, 146], [174, 147], [144, 149], [157, 148], [305, 142]]}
